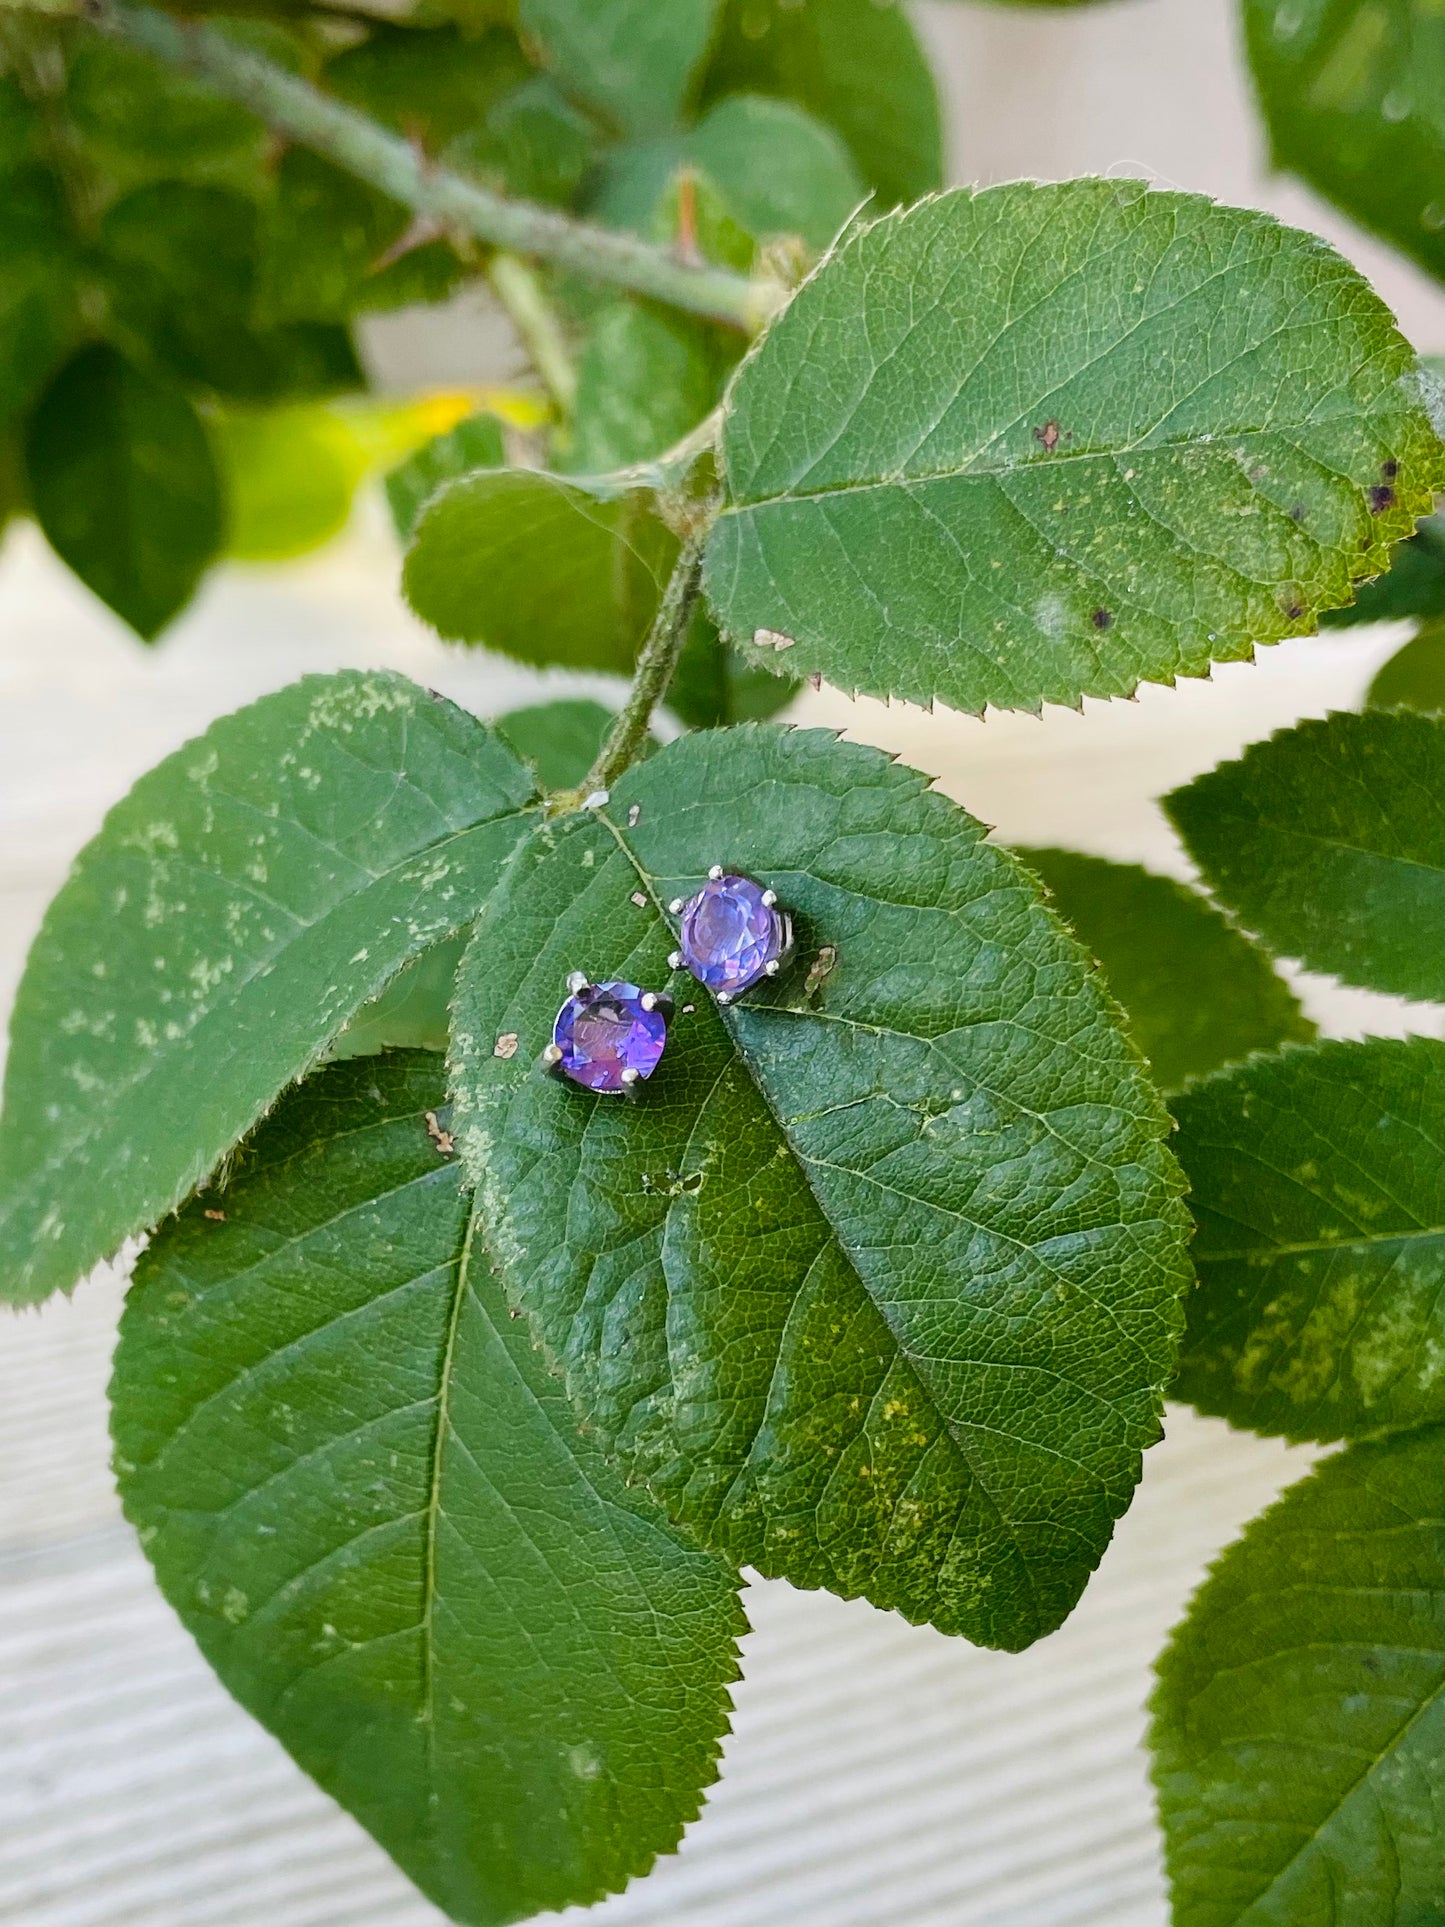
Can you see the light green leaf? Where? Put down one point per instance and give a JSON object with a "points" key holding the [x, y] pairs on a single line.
{"points": [[366, 1498], [644, 380], [1329, 841], [251, 893], [124, 484], [1041, 442], [473, 443], [856, 65], [1318, 1185], [548, 571], [878, 1284], [632, 59], [291, 475], [1413, 586], [1196, 991], [1414, 677], [1299, 1721], [1350, 91]]}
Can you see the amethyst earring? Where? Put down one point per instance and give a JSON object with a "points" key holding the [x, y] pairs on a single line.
{"points": [[608, 1037], [734, 935]]}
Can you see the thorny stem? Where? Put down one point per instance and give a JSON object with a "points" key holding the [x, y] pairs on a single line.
{"points": [[520, 293], [294, 107], [655, 666]]}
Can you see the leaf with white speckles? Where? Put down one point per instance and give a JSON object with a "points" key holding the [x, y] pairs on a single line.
{"points": [[237, 907], [877, 1286], [1041, 442], [367, 1500]]}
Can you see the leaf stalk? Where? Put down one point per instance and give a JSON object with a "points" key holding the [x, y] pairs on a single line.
{"points": [[656, 663]]}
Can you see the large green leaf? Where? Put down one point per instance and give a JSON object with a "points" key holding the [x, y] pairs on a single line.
{"points": [[366, 1498], [474, 443], [1414, 677], [1414, 585], [855, 64], [1299, 1721], [548, 571], [633, 59], [1351, 95], [123, 482], [877, 1285], [249, 894], [1196, 991], [1035, 443], [1329, 840], [1317, 1181]]}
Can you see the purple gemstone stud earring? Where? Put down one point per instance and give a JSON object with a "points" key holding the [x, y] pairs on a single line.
{"points": [[608, 1037], [733, 934]]}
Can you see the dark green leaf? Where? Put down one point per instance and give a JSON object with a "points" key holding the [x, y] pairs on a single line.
{"points": [[247, 897], [644, 380], [1299, 1721], [365, 1497], [1413, 678], [123, 482], [877, 1286], [560, 740], [1329, 841], [142, 121], [1350, 91], [1318, 1186], [431, 84], [632, 59], [474, 443], [1041, 442], [534, 144], [40, 319], [855, 64], [1197, 992], [1413, 586], [713, 685], [324, 234], [544, 570]]}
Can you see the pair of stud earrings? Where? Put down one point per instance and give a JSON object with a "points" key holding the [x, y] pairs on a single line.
{"points": [[610, 1036]]}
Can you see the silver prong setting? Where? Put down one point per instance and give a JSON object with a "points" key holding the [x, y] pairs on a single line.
{"points": [[724, 997], [676, 907], [577, 982], [551, 1060], [648, 1000], [715, 874], [674, 960], [772, 969], [770, 898]]}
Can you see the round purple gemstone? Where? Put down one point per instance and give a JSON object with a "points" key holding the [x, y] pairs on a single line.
{"points": [[603, 1031], [730, 936]]}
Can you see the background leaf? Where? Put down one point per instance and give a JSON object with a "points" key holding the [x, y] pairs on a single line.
{"points": [[1299, 1721], [560, 740], [473, 443], [252, 892], [878, 1286], [1414, 677], [139, 120], [632, 59], [855, 64], [714, 684], [39, 262], [1413, 586], [546, 570], [365, 1497], [1197, 992], [1329, 841], [123, 482], [431, 84], [1061, 441], [1317, 1182], [644, 380], [1350, 90]]}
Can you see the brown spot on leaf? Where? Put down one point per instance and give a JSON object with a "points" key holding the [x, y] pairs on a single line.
{"points": [[1048, 436], [1102, 619], [1297, 513], [1389, 470], [443, 1140], [216, 1217], [506, 1044], [639, 899], [1382, 497]]}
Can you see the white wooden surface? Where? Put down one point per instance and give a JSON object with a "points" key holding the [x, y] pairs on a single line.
{"points": [[878, 1776]]}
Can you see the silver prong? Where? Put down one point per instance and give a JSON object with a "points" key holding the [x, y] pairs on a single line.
{"points": [[648, 1000], [552, 1055], [714, 875], [772, 969], [770, 897], [676, 907], [631, 1079], [724, 996], [674, 960], [577, 982]]}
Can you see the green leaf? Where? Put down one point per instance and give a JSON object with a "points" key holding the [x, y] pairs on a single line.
{"points": [[632, 59], [1041, 442], [644, 380], [1299, 1720], [533, 144], [1329, 841], [560, 740], [141, 121], [430, 84], [548, 571], [1318, 1188], [251, 893], [878, 1284], [1197, 992], [854, 64], [1350, 92], [323, 235], [1413, 586], [123, 482], [181, 261], [1414, 677], [713, 685], [472, 444], [40, 319], [366, 1499]]}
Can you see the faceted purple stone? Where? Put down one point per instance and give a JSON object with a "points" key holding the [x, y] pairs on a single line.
{"points": [[730, 936], [603, 1031]]}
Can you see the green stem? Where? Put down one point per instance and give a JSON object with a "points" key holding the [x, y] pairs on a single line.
{"points": [[655, 666], [294, 107], [517, 288]]}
